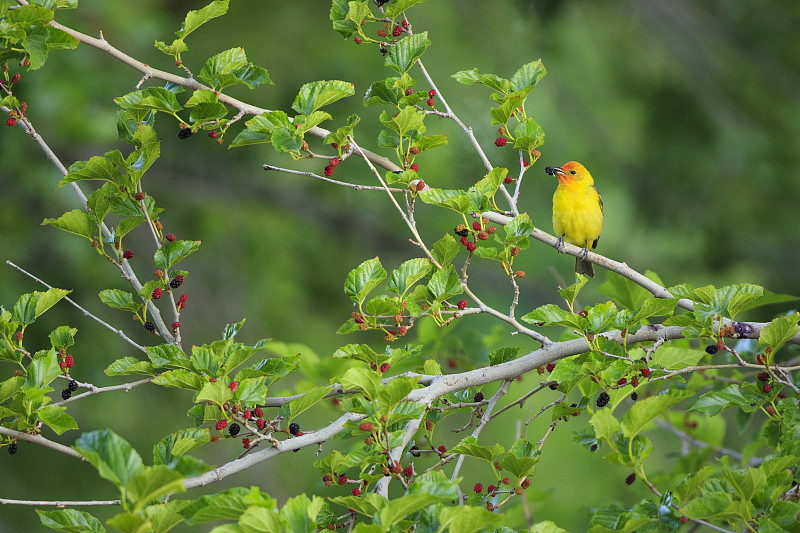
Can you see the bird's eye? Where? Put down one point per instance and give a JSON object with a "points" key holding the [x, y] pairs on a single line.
{"points": [[573, 172]]}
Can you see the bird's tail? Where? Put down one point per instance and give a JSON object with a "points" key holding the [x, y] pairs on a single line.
{"points": [[584, 267]]}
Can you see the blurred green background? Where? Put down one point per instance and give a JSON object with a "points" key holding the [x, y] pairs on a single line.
{"points": [[686, 113]]}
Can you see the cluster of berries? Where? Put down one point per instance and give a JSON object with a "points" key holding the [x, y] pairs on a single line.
{"points": [[67, 361], [72, 386], [13, 115], [331, 165]]}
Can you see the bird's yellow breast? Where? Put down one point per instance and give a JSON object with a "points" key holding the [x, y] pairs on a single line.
{"points": [[577, 214]]}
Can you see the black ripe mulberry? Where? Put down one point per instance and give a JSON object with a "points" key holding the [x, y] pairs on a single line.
{"points": [[478, 397], [176, 281], [712, 349], [66, 394], [631, 478], [234, 429], [149, 326], [602, 399], [12, 448], [294, 428], [72, 385], [185, 133]]}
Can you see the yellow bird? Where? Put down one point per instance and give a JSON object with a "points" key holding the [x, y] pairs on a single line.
{"points": [[577, 212]]}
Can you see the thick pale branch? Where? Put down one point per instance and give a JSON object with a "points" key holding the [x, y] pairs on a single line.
{"points": [[288, 445]]}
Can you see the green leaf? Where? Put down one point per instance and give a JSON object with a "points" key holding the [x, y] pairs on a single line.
{"points": [[445, 249], [57, 418], [406, 51], [258, 520], [399, 508], [445, 283], [32, 305], [456, 200], [383, 92], [173, 252], [528, 75], [712, 403], [395, 391], [152, 98], [361, 280], [230, 68], [180, 378], [228, 504], [623, 291], [528, 135], [342, 23], [112, 456], [645, 411], [70, 521], [779, 331], [340, 135], [518, 227], [503, 355], [410, 272], [119, 299], [77, 221], [300, 513], [179, 443], [42, 371], [675, 357], [167, 356], [363, 380], [469, 446], [196, 18], [398, 6], [153, 483], [293, 408], [468, 519], [315, 95], [208, 111], [604, 424], [521, 459], [217, 392], [492, 81]]}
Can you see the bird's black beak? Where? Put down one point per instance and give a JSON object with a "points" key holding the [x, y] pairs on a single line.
{"points": [[554, 170]]}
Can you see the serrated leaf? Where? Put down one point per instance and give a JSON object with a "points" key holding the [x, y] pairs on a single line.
{"points": [[230, 68], [153, 483], [528, 135], [217, 392], [445, 249], [362, 279], [180, 378], [528, 75], [363, 380], [300, 513], [645, 411], [196, 18], [383, 93], [712, 403], [675, 357], [406, 51], [129, 365], [152, 98], [173, 252], [471, 447], [494, 82], [340, 135], [167, 356], [454, 199], [315, 95], [292, 409], [70, 521], [112, 456], [445, 283], [398, 6], [57, 418], [77, 222], [407, 274], [119, 299], [400, 508], [779, 331], [468, 519], [503, 355], [179, 443]]}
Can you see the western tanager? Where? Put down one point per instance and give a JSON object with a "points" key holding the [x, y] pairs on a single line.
{"points": [[577, 211]]}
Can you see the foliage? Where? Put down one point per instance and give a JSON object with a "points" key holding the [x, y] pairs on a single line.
{"points": [[644, 341]]}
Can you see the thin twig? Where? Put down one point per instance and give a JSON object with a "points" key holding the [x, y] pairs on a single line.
{"points": [[84, 311], [38, 439], [354, 186]]}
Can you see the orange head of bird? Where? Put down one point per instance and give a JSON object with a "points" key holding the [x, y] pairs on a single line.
{"points": [[570, 173]]}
